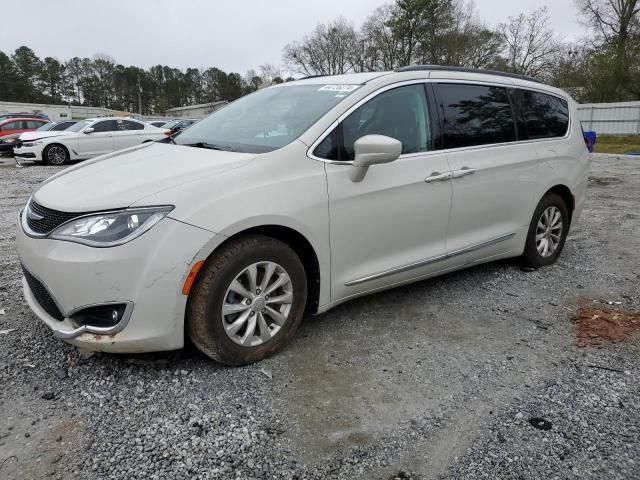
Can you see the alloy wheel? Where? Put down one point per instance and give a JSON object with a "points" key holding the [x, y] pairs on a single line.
{"points": [[56, 155], [549, 231], [257, 304]]}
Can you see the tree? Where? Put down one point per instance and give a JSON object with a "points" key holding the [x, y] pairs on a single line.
{"points": [[530, 43], [8, 77], [616, 43], [468, 42], [52, 78], [329, 50], [385, 43], [28, 72]]}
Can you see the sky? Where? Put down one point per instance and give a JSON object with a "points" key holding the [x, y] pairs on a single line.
{"points": [[233, 35]]}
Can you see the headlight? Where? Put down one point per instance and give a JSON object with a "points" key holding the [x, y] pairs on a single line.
{"points": [[111, 228], [8, 140]]}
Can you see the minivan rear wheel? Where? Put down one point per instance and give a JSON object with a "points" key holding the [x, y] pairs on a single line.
{"points": [[547, 232], [248, 301]]}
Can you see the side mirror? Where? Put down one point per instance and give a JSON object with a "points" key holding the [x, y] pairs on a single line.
{"points": [[371, 150], [88, 130]]}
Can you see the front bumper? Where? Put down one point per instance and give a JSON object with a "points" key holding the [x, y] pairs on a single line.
{"points": [[146, 274], [31, 153]]}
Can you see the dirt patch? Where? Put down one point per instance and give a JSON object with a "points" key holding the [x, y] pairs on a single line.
{"points": [[604, 181], [595, 326]]}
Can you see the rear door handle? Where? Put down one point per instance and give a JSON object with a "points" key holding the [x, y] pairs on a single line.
{"points": [[438, 177], [463, 172]]}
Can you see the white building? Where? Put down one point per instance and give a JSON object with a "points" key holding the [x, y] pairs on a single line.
{"points": [[59, 113]]}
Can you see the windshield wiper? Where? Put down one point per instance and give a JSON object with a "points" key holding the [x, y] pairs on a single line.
{"points": [[210, 146]]}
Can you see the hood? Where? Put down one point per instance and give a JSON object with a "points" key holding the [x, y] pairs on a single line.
{"points": [[119, 180], [31, 136]]}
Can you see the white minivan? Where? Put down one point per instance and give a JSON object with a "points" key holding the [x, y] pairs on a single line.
{"points": [[297, 198]]}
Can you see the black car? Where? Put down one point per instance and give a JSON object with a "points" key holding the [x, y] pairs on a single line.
{"points": [[177, 125]]}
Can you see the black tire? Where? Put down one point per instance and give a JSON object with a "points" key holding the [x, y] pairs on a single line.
{"points": [[532, 257], [61, 158], [204, 319]]}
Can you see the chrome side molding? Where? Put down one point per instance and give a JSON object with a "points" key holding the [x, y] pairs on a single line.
{"points": [[429, 261]]}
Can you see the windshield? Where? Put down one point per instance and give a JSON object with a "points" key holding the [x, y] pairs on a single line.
{"points": [[45, 127], [79, 126], [265, 120]]}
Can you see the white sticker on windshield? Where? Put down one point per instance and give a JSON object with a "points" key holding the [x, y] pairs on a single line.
{"points": [[338, 88]]}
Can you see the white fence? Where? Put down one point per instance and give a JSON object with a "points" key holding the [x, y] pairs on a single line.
{"points": [[621, 118]]}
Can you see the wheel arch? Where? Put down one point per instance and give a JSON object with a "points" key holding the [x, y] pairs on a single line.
{"points": [[53, 144], [298, 243], [566, 195]]}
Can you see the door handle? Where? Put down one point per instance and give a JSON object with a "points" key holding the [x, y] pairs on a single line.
{"points": [[463, 172], [438, 177]]}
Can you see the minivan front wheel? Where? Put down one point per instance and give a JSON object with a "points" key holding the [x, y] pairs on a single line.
{"points": [[547, 232], [248, 301]]}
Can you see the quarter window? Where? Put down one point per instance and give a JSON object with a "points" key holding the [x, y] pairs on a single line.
{"points": [[543, 116], [475, 115], [400, 113]]}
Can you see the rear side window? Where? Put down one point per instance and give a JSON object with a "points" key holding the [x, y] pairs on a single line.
{"points": [[400, 113], [475, 115], [34, 124], [106, 126], [12, 126], [129, 125], [542, 115]]}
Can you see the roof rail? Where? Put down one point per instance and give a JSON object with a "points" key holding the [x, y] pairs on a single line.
{"points": [[414, 68]]}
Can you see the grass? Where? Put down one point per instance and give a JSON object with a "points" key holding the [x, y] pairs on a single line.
{"points": [[617, 144]]}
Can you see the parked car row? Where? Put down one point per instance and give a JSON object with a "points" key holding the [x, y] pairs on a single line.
{"points": [[31, 136], [85, 139], [7, 142]]}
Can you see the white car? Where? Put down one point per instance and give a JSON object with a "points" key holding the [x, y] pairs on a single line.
{"points": [[297, 198], [85, 139]]}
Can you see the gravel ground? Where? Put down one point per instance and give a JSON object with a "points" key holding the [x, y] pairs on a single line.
{"points": [[435, 380]]}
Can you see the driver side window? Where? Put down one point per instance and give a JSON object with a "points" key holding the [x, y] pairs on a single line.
{"points": [[400, 113]]}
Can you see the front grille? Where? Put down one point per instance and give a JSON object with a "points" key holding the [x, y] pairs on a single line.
{"points": [[42, 296], [50, 218], [18, 143]]}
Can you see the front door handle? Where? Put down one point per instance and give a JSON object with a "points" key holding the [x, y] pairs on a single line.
{"points": [[463, 172], [438, 177]]}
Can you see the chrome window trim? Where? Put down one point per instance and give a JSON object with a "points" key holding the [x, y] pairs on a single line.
{"points": [[391, 86], [429, 261]]}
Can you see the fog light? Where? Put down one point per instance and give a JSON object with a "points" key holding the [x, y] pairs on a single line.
{"points": [[100, 316]]}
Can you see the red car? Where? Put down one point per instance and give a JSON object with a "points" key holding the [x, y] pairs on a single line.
{"points": [[19, 125]]}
